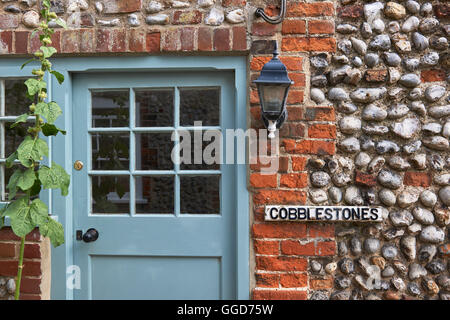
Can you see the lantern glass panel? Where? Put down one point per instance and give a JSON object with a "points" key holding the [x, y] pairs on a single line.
{"points": [[273, 98]]}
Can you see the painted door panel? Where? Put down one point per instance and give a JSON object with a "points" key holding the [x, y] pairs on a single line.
{"points": [[152, 256]]}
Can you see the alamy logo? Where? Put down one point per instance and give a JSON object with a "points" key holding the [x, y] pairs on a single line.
{"points": [[234, 146]]}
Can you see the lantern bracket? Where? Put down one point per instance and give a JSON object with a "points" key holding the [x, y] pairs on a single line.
{"points": [[272, 20]]}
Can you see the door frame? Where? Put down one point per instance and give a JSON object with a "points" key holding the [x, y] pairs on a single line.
{"points": [[61, 146]]}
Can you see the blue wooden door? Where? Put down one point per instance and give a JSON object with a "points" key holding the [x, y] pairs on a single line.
{"points": [[166, 230]]}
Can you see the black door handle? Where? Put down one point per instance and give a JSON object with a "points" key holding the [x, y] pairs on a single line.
{"points": [[91, 235]]}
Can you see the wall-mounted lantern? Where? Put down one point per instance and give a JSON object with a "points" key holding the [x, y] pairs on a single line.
{"points": [[273, 87]]}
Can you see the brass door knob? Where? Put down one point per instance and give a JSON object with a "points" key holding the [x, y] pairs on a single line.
{"points": [[78, 165]]}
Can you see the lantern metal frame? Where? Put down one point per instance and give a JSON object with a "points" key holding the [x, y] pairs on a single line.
{"points": [[274, 73], [261, 14]]}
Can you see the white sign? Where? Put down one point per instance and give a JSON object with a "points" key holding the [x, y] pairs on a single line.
{"points": [[322, 213]]}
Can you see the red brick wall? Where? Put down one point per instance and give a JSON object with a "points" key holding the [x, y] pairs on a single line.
{"points": [[281, 252], [9, 255]]}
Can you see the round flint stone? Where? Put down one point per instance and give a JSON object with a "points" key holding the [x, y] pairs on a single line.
{"points": [[371, 245], [347, 266], [401, 218], [434, 93], [389, 179], [389, 251], [320, 179]]}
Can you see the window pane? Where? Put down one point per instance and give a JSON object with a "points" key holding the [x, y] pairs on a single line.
{"points": [[201, 156], [200, 194], [16, 101], [154, 194], [110, 194], [110, 151], [110, 109], [200, 105], [154, 108], [15, 136], [153, 151]]}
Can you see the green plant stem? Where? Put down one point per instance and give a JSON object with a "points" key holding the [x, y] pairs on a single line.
{"points": [[20, 268]]}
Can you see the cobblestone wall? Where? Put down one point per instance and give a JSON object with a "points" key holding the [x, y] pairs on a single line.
{"points": [[368, 124]]}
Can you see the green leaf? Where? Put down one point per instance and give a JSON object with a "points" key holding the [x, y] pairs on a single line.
{"points": [[46, 3], [55, 178], [36, 188], [26, 179], [51, 130], [38, 212], [34, 86], [19, 213], [61, 23], [31, 60], [20, 119], [10, 160], [12, 185], [48, 51], [54, 230], [50, 111], [58, 76], [31, 149]]}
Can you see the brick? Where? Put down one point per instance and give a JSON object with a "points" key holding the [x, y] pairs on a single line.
{"points": [[6, 234], [293, 63], [170, 40], [187, 17], [320, 114], [365, 179], [87, 19], [326, 248], [279, 295], [120, 6], [294, 180], [258, 180], [6, 43], [263, 29], [417, 179], [35, 44], [266, 247], [267, 280], [262, 46], [118, 40], [298, 78], [308, 44], [295, 97], [310, 147], [56, 40], [376, 75], [267, 162], [322, 131], [102, 40], [70, 41], [136, 40], [205, 39], [9, 21], [29, 297], [290, 247], [258, 63], [30, 286], [187, 36], [153, 41], [293, 27], [350, 12], [432, 75], [321, 284], [299, 163], [32, 251], [21, 41], [9, 268], [279, 231], [317, 9], [295, 113], [294, 280], [221, 39], [442, 10], [234, 3], [296, 129], [320, 231], [239, 38], [7, 250], [279, 197], [444, 250], [320, 27], [281, 263]]}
